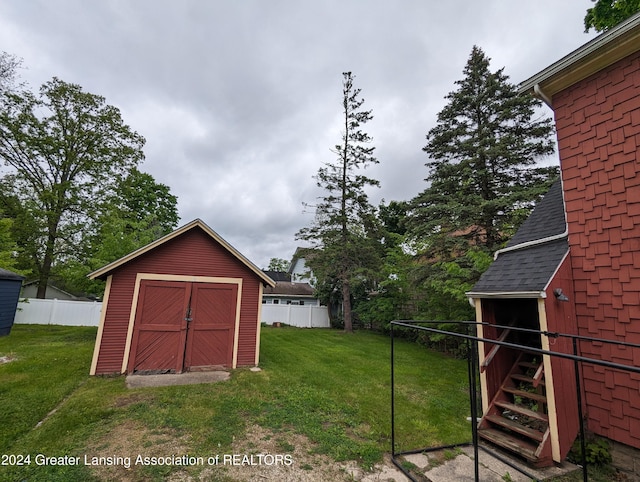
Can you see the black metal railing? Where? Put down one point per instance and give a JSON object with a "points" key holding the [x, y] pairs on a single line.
{"points": [[473, 366]]}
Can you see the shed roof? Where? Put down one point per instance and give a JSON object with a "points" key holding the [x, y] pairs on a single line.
{"points": [[103, 272], [597, 54], [6, 274], [532, 257]]}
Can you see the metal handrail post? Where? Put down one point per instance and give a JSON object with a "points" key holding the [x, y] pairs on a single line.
{"points": [[393, 413], [583, 445], [473, 392]]}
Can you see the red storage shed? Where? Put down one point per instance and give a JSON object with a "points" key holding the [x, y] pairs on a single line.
{"points": [[187, 301]]}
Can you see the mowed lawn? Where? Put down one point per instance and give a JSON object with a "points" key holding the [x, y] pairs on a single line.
{"points": [[331, 387]]}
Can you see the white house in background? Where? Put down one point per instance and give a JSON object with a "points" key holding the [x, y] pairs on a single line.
{"points": [[298, 269], [30, 290], [292, 300], [287, 292]]}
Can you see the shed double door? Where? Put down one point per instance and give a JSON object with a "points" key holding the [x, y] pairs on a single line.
{"points": [[183, 326]]}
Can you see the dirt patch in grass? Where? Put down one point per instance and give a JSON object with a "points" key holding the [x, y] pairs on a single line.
{"points": [[6, 359], [129, 440], [260, 455], [306, 465], [299, 462], [126, 400]]}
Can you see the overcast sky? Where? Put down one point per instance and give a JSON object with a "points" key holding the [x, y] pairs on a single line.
{"points": [[240, 100]]}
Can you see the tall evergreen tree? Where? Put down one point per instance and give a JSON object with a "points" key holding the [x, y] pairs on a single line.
{"points": [[483, 152], [344, 218]]}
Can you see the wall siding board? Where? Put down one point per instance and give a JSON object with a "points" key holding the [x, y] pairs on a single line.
{"points": [[194, 253], [597, 122]]}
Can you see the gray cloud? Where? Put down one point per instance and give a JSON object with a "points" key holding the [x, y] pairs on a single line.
{"points": [[240, 101]]}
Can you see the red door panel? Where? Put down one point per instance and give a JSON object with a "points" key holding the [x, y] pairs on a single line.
{"points": [[210, 334], [160, 326]]}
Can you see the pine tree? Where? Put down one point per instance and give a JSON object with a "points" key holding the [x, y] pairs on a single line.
{"points": [[482, 163], [344, 218]]}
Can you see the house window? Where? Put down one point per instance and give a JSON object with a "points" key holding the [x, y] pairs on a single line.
{"points": [[276, 302]]}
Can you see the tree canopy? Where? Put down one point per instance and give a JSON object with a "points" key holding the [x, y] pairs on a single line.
{"points": [[609, 13], [67, 150], [483, 151], [139, 211], [278, 264], [9, 65], [483, 180]]}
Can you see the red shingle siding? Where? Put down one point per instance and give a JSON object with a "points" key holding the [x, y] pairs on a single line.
{"points": [[193, 253], [598, 129]]}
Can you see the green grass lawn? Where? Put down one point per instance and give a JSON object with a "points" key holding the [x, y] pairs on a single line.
{"points": [[331, 387]]}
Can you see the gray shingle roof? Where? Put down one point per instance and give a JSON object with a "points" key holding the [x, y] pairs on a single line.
{"points": [[278, 275], [523, 270], [290, 289], [547, 219], [530, 267]]}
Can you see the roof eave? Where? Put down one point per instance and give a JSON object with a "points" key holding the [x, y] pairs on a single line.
{"points": [[602, 51], [106, 270], [506, 294]]}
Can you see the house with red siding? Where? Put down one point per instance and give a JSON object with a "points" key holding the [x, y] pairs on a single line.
{"points": [[187, 301], [593, 259]]}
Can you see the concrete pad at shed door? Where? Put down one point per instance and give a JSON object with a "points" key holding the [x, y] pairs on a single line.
{"points": [[171, 379]]}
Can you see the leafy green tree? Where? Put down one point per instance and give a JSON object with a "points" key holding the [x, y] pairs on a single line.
{"points": [[609, 13], [483, 156], [9, 248], [344, 218], [278, 264], [68, 150], [390, 296], [136, 214], [140, 200], [9, 65]]}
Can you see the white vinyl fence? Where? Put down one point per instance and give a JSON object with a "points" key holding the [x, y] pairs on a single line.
{"points": [[304, 316], [87, 313], [58, 312]]}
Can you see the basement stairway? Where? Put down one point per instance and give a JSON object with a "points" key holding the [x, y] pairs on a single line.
{"points": [[517, 417]]}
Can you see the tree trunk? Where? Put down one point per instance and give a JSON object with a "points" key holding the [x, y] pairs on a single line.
{"points": [[346, 306], [43, 281], [47, 261]]}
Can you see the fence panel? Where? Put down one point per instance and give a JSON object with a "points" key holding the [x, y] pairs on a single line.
{"points": [[295, 315], [58, 312], [86, 313]]}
